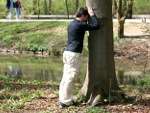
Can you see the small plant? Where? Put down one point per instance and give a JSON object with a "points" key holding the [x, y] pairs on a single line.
{"points": [[110, 99], [39, 94], [85, 51], [17, 105], [144, 82], [56, 93], [8, 87], [96, 110], [63, 49], [55, 52]]}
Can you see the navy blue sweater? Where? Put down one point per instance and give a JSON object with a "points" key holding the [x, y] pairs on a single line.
{"points": [[76, 31], [9, 3]]}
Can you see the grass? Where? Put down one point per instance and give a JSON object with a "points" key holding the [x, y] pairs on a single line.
{"points": [[42, 36], [14, 93], [20, 95]]}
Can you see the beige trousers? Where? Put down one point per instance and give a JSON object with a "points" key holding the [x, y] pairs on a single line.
{"points": [[72, 65]]}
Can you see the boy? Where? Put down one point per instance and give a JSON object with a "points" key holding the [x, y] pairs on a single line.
{"points": [[72, 54]]}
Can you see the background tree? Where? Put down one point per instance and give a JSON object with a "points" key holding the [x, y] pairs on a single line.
{"points": [[114, 8], [130, 10], [34, 4], [50, 6], [39, 8], [122, 15], [77, 4], [45, 9], [100, 82], [67, 9]]}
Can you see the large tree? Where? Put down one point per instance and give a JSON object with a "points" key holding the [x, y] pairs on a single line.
{"points": [[100, 82]]}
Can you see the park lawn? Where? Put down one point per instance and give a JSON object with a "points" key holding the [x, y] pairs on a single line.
{"points": [[33, 35], [18, 95]]}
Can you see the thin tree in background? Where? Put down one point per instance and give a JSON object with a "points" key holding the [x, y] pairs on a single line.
{"points": [[34, 4], [130, 10], [114, 8], [50, 6], [45, 10], [38, 8], [66, 3], [77, 4], [122, 15]]}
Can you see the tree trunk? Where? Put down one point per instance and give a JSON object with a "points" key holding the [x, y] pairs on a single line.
{"points": [[130, 12], [100, 82], [77, 4], [121, 29], [44, 7], [34, 3], [39, 8], [50, 7], [114, 8], [122, 15], [66, 3]]}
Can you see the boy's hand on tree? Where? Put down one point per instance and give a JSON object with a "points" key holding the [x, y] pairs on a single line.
{"points": [[90, 11]]}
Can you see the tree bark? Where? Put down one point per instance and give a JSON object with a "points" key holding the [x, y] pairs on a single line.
{"points": [[100, 82], [50, 7], [45, 7], [114, 8], [130, 12], [66, 3], [122, 15], [77, 4], [34, 3], [39, 8], [121, 29]]}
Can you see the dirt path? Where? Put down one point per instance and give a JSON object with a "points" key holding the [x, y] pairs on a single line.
{"points": [[136, 43]]}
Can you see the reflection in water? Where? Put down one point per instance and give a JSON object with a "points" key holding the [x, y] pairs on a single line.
{"points": [[51, 68], [128, 79], [15, 74], [32, 67]]}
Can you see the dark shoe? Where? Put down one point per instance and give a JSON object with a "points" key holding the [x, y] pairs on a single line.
{"points": [[74, 103], [62, 105]]}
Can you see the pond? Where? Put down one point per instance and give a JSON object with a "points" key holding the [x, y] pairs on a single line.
{"points": [[51, 68]]}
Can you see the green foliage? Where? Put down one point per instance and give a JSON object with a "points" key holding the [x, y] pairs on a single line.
{"points": [[85, 51], [141, 6], [3, 9], [110, 99], [144, 82], [55, 52], [63, 49], [14, 105], [96, 110], [16, 99], [35, 48]]}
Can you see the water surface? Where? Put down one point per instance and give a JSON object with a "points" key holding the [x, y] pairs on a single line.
{"points": [[51, 68]]}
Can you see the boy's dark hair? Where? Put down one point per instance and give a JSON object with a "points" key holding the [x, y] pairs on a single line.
{"points": [[82, 11]]}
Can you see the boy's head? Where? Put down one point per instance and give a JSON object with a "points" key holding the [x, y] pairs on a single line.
{"points": [[82, 13]]}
